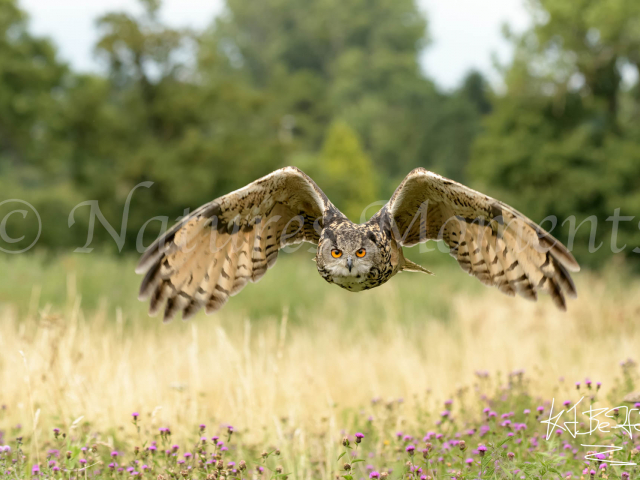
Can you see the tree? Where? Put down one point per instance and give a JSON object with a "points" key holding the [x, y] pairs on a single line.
{"points": [[345, 172], [355, 60], [559, 141]]}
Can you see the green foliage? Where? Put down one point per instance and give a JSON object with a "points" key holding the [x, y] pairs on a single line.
{"points": [[344, 171], [203, 113], [563, 140]]}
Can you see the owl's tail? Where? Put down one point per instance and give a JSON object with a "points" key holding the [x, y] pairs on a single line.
{"points": [[409, 266]]}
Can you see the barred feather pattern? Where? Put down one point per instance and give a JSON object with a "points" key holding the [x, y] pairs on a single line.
{"points": [[489, 239], [213, 253]]}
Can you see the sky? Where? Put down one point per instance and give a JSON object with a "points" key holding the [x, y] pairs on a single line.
{"points": [[465, 33]]}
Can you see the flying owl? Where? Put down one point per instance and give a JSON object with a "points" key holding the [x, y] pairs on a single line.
{"points": [[211, 254]]}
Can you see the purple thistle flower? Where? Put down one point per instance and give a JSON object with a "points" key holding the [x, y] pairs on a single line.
{"points": [[152, 448], [83, 461], [448, 403], [566, 403], [202, 427], [56, 468], [135, 415], [112, 465], [511, 455], [35, 470], [410, 449], [114, 454], [526, 411], [175, 448], [445, 413], [374, 474], [359, 437], [624, 475], [540, 409], [187, 455], [469, 461]]}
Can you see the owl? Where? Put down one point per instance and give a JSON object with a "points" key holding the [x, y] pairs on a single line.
{"points": [[211, 254]]}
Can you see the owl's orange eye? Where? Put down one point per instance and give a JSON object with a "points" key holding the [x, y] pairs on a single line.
{"points": [[335, 253], [361, 253]]}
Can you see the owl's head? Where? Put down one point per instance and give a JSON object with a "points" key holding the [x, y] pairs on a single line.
{"points": [[350, 251]]}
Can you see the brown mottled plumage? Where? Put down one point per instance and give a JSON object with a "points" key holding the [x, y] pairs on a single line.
{"points": [[215, 251]]}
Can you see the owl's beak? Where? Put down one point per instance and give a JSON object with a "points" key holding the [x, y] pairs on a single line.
{"points": [[349, 263]]}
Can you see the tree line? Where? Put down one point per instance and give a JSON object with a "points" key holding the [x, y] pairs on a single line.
{"points": [[334, 87]]}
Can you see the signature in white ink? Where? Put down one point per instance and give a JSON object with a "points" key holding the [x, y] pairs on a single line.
{"points": [[602, 420]]}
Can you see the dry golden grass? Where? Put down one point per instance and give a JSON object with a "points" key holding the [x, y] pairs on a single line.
{"points": [[105, 364]]}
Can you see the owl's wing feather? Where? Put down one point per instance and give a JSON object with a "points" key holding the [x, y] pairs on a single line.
{"points": [[215, 251], [490, 240]]}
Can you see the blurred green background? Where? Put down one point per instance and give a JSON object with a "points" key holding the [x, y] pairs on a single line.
{"points": [[334, 87]]}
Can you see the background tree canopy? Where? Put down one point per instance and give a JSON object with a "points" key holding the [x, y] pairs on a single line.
{"points": [[333, 87]]}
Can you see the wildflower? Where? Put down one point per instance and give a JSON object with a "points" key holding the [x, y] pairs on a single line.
{"points": [[374, 474], [135, 416], [215, 440], [175, 448], [445, 413], [462, 445], [347, 466], [83, 461], [359, 437], [448, 403], [56, 468], [511, 455], [202, 427], [481, 450], [587, 382], [229, 429], [345, 442], [624, 475], [35, 470], [187, 455], [410, 449], [540, 409], [527, 411], [114, 454], [56, 432], [469, 461], [112, 465], [152, 448], [577, 385]]}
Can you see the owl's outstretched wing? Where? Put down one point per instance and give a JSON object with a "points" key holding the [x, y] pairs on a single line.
{"points": [[215, 251], [490, 240]]}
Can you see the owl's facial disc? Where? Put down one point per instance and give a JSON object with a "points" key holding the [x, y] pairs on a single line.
{"points": [[350, 257]]}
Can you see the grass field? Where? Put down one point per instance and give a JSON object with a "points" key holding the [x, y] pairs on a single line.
{"points": [[296, 364]]}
